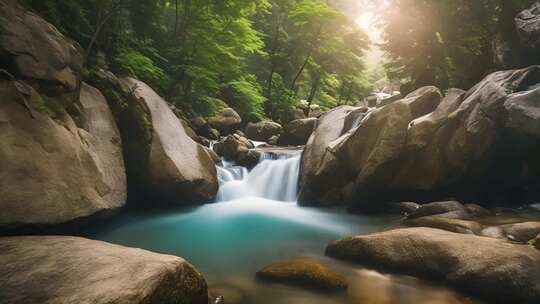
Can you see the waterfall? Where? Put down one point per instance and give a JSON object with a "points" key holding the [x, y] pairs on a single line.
{"points": [[275, 177]]}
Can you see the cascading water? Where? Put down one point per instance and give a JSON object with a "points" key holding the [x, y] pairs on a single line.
{"points": [[255, 222], [275, 177]]}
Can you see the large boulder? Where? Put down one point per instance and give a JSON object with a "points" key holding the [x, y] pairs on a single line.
{"points": [[237, 149], [60, 148], [263, 130], [168, 164], [305, 272], [519, 47], [329, 128], [491, 268], [53, 170], [480, 145], [297, 132], [227, 121], [34, 50], [202, 128], [61, 269], [364, 154], [528, 26]]}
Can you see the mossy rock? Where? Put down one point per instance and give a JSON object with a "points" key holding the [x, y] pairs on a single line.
{"points": [[304, 272]]}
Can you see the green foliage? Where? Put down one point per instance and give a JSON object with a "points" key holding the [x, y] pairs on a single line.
{"points": [[245, 96], [261, 57], [446, 42], [138, 65], [284, 101], [208, 106]]}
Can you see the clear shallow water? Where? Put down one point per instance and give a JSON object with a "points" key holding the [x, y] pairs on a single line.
{"points": [[249, 228]]}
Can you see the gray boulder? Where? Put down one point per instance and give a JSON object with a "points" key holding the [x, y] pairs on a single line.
{"points": [[227, 121], [53, 170], [237, 149], [436, 208], [313, 176], [165, 162], [491, 268], [202, 128], [36, 51], [263, 130], [59, 144], [528, 26], [362, 155], [62, 269], [297, 132], [476, 146]]}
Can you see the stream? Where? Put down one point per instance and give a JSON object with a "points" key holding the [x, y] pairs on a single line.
{"points": [[256, 221]]}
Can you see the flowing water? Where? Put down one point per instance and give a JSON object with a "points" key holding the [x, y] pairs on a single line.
{"points": [[256, 221]]}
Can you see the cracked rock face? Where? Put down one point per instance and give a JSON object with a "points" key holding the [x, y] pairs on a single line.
{"points": [[175, 168], [55, 171], [477, 145], [36, 51], [528, 26], [59, 144]]}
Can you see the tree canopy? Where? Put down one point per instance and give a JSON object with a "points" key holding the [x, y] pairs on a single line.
{"points": [[447, 43], [261, 57]]}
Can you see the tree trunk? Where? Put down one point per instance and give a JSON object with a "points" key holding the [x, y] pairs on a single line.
{"points": [[293, 84], [102, 20], [176, 18], [312, 93], [349, 93], [273, 52]]}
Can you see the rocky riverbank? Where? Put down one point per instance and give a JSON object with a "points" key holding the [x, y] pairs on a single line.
{"points": [[78, 145]]}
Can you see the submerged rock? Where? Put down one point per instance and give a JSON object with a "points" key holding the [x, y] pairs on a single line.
{"points": [[491, 268], [306, 272], [263, 130], [61, 269], [168, 164]]}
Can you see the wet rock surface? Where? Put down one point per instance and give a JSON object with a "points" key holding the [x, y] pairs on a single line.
{"points": [[491, 268], [263, 130], [305, 272]]}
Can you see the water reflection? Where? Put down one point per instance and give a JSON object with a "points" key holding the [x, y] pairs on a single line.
{"points": [[230, 241]]}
